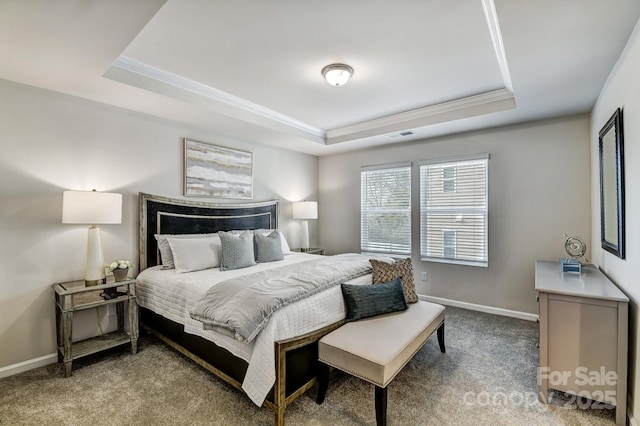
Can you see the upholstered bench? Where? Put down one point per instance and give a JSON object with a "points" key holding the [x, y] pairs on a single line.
{"points": [[376, 349]]}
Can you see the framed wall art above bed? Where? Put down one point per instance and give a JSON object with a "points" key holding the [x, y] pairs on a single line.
{"points": [[216, 171]]}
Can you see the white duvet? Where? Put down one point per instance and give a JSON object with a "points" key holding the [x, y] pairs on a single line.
{"points": [[174, 295]]}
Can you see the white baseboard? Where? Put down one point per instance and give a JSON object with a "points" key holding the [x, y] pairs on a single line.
{"points": [[480, 308], [30, 364]]}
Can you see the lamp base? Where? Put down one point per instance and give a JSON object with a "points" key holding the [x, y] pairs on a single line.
{"points": [[94, 270], [304, 237]]}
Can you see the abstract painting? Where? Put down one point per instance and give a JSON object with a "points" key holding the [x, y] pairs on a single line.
{"points": [[216, 171]]}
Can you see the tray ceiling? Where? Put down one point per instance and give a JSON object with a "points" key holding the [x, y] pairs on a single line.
{"points": [[251, 69]]}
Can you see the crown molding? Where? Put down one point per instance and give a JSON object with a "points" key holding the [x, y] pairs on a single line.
{"points": [[491, 16], [139, 68], [470, 106]]}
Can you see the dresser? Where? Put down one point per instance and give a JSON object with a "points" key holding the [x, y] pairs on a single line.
{"points": [[583, 336]]}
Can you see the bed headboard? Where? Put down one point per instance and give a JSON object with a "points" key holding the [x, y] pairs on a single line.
{"points": [[162, 215]]}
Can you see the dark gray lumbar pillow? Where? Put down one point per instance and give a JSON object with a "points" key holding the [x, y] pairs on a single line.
{"points": [[364, 301]]}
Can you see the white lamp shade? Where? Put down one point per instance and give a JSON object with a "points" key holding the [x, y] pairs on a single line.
{"points": [[91, 207], [305, 210]]}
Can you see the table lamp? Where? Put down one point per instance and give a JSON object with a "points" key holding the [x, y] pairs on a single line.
{"points": [[305, 210], [91, 207]]}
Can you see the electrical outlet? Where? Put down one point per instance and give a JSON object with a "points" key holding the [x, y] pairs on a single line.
{"points": [[423, 276]]}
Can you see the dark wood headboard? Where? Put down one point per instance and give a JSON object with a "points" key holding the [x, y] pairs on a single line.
{"points": [[162, 215]]}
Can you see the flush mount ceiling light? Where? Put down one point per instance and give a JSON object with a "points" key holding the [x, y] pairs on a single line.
{"points": [[337, 74]]}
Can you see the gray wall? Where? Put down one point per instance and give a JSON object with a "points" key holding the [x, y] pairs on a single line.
{"points": [[621, 91], [539, 188], [51, 143]]}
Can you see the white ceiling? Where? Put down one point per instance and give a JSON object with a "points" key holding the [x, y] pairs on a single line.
{"points": [[251, 69]]}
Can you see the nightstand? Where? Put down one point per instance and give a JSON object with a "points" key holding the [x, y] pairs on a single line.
{"points": [[311, 250], [74, 296]]}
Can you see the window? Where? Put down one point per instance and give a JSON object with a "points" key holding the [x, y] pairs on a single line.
{"points": [[449, 243], [454, 210], [449, 179], [385, 209]]}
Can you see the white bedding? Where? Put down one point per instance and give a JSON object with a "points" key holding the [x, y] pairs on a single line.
{"points": [[174, 295]]}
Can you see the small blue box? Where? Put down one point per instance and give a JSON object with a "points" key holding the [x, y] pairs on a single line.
{"points": [[570, 265]]}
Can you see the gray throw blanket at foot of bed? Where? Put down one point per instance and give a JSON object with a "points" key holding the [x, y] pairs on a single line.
{"points": [[240, 307]]}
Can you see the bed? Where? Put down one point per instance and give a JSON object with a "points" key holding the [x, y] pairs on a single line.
{"points": [[294, 359]]}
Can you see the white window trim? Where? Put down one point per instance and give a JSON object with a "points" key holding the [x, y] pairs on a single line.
{"points": [[443, 161], [456, 159], [385, 166], [399, 165]]}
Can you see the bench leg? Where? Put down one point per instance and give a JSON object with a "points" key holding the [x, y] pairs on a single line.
{"points": [[323, 382], [441, 338], [381, 406]]}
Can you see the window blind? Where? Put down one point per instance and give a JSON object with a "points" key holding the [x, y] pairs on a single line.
{"points": [[454, 210], [385, 209]]}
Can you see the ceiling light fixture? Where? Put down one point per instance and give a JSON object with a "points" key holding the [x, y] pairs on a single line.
{"points": [[337, 74]]}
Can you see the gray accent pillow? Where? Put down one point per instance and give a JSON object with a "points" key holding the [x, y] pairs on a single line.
{"points": [[268, 247], [283, 240], [364, 301], [237, 250]]}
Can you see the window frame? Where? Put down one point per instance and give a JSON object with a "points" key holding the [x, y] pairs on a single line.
{"points": [[476, 211], [367, 246]]}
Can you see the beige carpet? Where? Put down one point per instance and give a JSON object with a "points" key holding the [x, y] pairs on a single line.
{"points": [[487, 376]]}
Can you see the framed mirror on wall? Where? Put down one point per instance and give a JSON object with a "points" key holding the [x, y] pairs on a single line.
{"points": [[611, 143]]}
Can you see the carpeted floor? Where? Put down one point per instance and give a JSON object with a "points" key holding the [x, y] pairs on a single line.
{"points": [[487, 376]]}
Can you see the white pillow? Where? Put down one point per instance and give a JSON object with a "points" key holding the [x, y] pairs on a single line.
{"points": [[283, 241], [166, 257], [195, 254]]}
